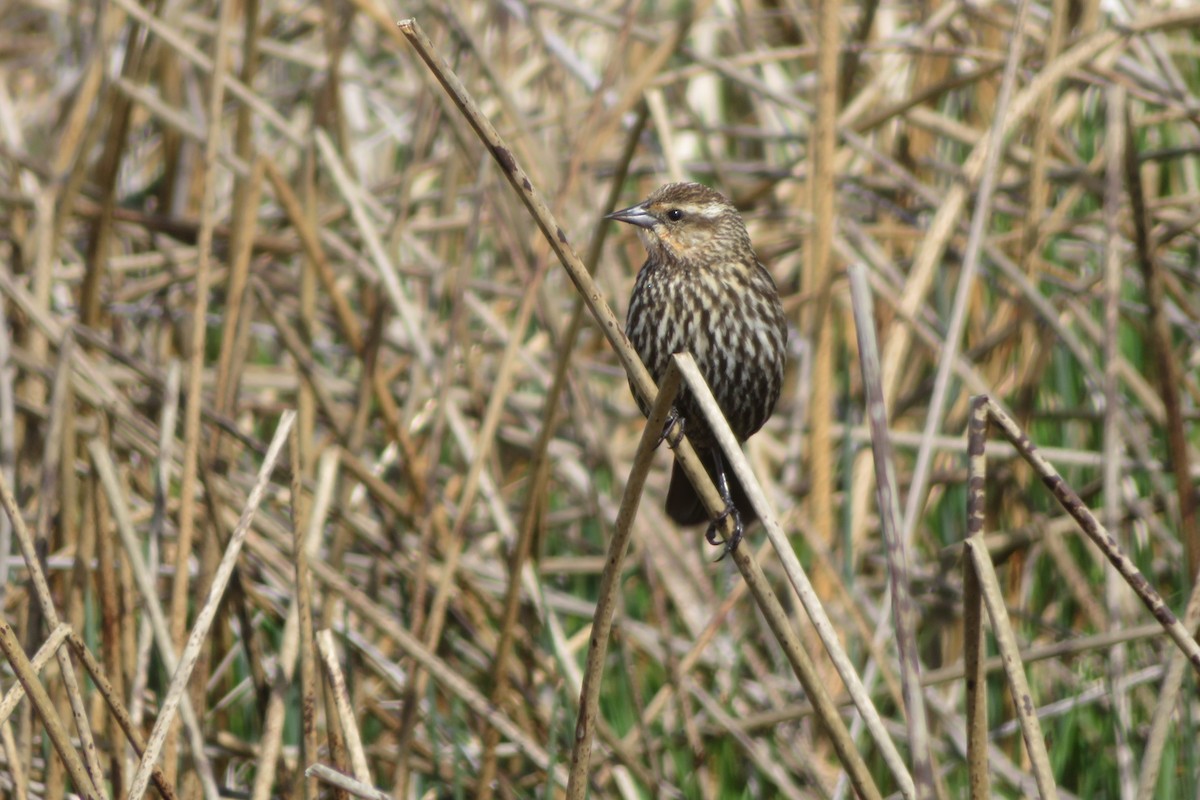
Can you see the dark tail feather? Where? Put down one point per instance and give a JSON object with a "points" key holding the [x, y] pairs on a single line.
{"points": [[684, 506]]}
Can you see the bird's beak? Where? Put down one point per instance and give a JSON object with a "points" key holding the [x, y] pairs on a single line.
{"points": [[634, 215]]}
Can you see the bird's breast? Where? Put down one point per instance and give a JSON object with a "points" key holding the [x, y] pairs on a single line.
{"points": [[732, 326]]}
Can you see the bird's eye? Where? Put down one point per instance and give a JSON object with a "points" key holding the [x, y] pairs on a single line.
{"points": [[675, 215]]}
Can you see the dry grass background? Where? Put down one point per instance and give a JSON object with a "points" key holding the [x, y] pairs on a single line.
{"points": [[185, 259]]}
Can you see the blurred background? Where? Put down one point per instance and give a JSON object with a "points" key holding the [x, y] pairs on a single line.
{"points": [[186, 253]]}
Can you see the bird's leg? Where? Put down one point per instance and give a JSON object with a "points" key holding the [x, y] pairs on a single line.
{"points": [[672, 431], [730, 510]]}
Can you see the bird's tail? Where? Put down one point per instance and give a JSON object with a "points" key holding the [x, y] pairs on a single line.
{"points": [[683, 504]]}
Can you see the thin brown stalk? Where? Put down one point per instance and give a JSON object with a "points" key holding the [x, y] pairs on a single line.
{"points": [[944, 223], [78, 131], [903, 613], [1071, 503], [16, 768], [107, 473], [204, 617], [350, 325], [304, 615], [777, 620], [992, 147], [974, 642], [107, 556], [818, 277], [1168, 370], [1023, 702], [450, 680], [45, 652], [1043, 129], [181, 585], [158, 520], [337, 685], [344, 783], [7, 446], [52, 452], [115, 112], [271, 741], [117, 707], [49, 613], [541, 472], [245, 215], [37, 694], [1117, 131], [1168, 704], [589, 698]]}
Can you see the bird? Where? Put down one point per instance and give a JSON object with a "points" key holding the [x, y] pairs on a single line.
{"points": [[703, 290]]}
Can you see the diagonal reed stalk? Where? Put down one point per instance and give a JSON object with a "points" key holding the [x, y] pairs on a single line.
{"points": [[641, 381]]}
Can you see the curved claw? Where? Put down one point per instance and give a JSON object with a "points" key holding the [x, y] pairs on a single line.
{"points": [[731, 544], [735, 538], [672, 431]]}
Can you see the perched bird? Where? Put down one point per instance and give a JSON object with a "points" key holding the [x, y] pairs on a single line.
{"points": [[703, 290]]}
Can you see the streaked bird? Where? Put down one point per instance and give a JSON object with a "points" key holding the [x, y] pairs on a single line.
{"points": [[704, 291]]}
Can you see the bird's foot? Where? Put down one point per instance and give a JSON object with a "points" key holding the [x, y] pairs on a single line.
{"points": [[672, 432], [718, 522]]}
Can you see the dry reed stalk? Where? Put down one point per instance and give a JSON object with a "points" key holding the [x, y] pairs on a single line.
{"points": [[310, 747], [141, 575], [1115, 591], [992, 148], [205, 615], [818, 277], [337, 685], [606, 601], [933, 245], [521, 550], [345, 783], [1167, 705], [45, 652], [1071, 503], [903, 616], [1031, 730], [94, 774], [780, 627], [116, 705], [1168, 369], [40, 698]]}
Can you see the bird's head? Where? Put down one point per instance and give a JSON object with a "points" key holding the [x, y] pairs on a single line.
{"points": [[688, 223]]}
